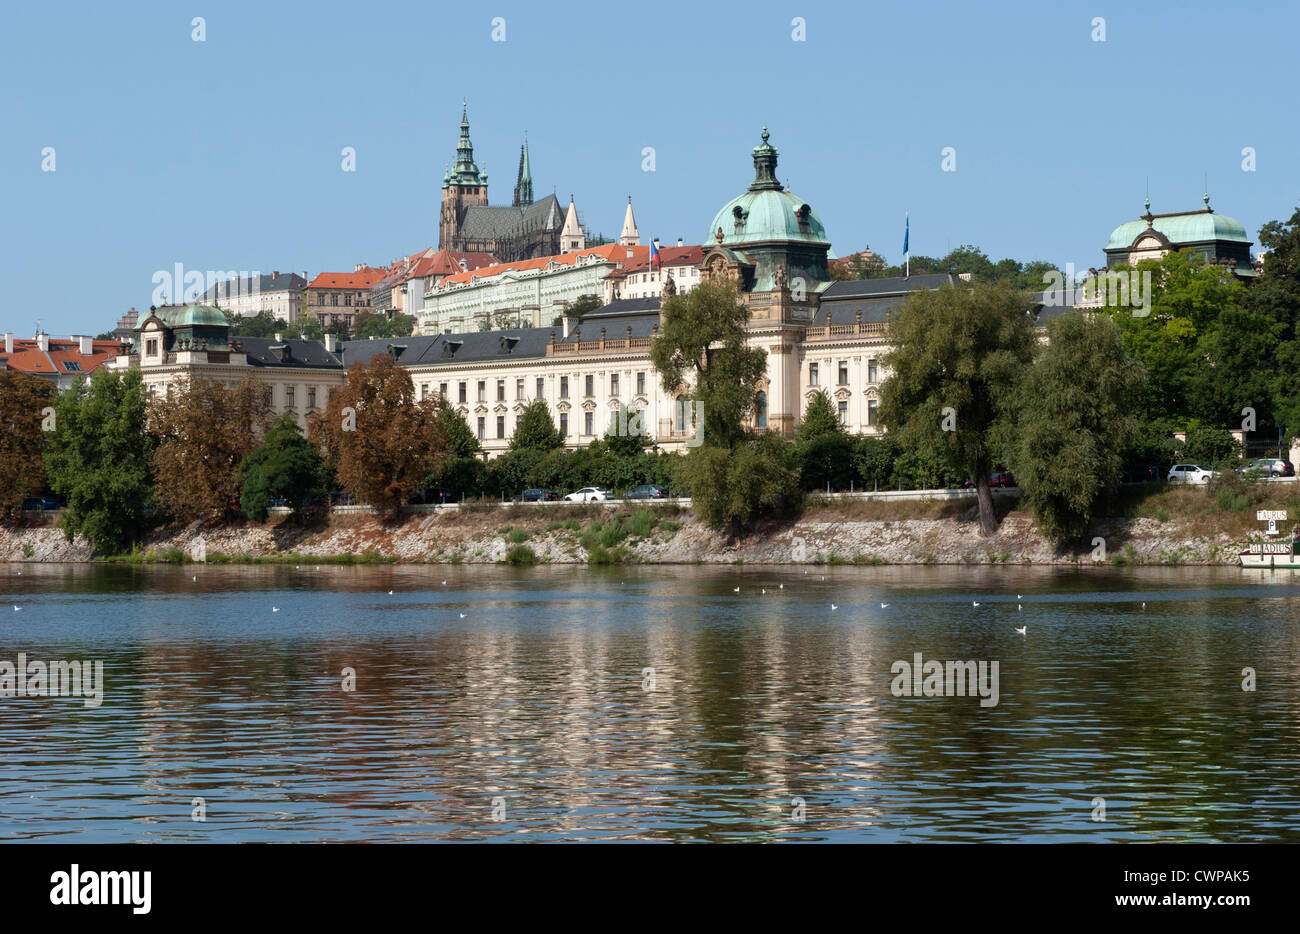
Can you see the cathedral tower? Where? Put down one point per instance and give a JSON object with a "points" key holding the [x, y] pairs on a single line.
{"points": [[463, 186]]}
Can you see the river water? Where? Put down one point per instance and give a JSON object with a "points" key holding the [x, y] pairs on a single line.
{"points": [[516, 704]]}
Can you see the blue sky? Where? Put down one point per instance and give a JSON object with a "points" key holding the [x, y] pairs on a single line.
{"points": [[226, 154]]}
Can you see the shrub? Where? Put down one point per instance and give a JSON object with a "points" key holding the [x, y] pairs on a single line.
{"points": [[517, 536], [521, 554]]}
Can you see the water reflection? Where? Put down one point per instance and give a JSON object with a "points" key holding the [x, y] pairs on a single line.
{"points": [[536, 697]]}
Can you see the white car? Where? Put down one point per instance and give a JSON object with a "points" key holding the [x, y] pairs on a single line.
{"points": [[1189, 473], [588, 494]]}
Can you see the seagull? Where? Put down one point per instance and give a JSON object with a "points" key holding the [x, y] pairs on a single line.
{"points": [[1021, 629], [1019, 607], [275, 609], [834, 607], [17, 608], [444, 583], [764, 590], [1144, 604], [194, 578], [462, 616], [778, 586], [1020, 596], [390, 593], [884, 606], [974, 603], [736, 590]]}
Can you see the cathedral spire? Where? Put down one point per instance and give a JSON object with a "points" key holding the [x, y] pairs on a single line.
{"points": [[524, 181], [571, 237], [629, 236], [465, 172]]}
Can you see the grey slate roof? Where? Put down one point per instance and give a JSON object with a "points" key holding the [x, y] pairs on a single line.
{"points": [[479, 346], [615, 328], [302, 353], [492, 222], [890, 285]]}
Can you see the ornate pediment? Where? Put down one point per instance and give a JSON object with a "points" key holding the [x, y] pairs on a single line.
{"points": [[500, 409], [519, 408], [563, 407], [871, 392], [589, 405], [842, 394], [462, 410], [615, 403], [480, 410]]}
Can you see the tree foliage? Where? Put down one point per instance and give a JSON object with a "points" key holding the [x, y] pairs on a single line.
{"points": [[583, 304], [369, 325], [284, 466], [262, 324], [955, 357], [98, 458], [732, 488], [535, 429], [378, 438], [701, 351], [23, 399], [1075, 418], [204, 429]]}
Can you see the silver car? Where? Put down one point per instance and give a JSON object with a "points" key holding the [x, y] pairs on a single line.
{"points": [[1189, 473], [588, 494]]}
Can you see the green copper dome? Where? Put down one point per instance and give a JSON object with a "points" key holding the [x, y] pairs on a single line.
{"points": [[765, 211], [1189, 227], [194, 315]]}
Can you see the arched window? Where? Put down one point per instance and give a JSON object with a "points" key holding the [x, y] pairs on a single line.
{"points": [[760, 410]]}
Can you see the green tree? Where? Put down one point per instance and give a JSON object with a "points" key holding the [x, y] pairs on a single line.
{"points": [[262, 324], [98, 458], [1075, 408], [626, 435], [460, 437], [701, 350], [583, 304], [284, 466], [956, 354], [819, 418], [1276, 295], [822, 448], [873, 459], [535, 430], [733, 487]]}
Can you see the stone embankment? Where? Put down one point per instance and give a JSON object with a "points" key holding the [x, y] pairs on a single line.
{"points": [[575, 534]]}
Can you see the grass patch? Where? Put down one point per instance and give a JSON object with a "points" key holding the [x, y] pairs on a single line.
{"points": [[517, 536], [602, 555], [521, 554]]}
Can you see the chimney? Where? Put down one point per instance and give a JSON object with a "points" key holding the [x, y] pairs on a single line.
{"points": [[43, 341], [331, 343], [276, 274], [9, 342], [87, 344], [564, 318], [679, 241]]}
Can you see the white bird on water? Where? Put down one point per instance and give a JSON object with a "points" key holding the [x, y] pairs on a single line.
{"points": [[778, 586], [462, 616], [194, 578], [444, 583], [974, 603], [1020, 596], [275, 609], [1019, 607], [390, 593], [736, 590], [834, 607], [1021, 629], [17, 608], [884, 606], [764, 590]]}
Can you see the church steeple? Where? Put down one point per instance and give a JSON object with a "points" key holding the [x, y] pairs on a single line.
{"points": [[524, 181], [571, 237], [629, 235], [465, 172]]}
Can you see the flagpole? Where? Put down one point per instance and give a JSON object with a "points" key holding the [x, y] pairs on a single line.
{"points": [[907, 253]]}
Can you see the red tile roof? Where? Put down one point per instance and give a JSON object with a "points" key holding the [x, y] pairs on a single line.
{"points": [[29, 358], [668, 256], [362, 278], [433, 262], [612, 252]]}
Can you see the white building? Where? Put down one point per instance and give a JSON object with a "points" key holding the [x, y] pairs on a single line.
{"points": [[279, 294]]}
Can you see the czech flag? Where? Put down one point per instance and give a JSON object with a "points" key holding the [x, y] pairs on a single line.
{"points": [[655, 261]]}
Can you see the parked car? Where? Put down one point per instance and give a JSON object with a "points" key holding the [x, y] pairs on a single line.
{"points": [[647, 491], [588, 494], [537, 496], [1273, 466], [41, 502], [997, 480], [1189, 473]]}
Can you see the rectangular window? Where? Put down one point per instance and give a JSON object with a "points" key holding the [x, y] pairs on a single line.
{"points": [[844, 372], [613, 384], [501, 426], [442, 391], [586, 423], [311, 397], [564, 387], [289, 396], [501, 390], [591, 387], [541, 387], [872, 405], [640, 384], [873, 372], [519, 389], [812, 374], [481, 427], [424, 391], [844, 413], [462, 392], [482, 390], [564, 424]]}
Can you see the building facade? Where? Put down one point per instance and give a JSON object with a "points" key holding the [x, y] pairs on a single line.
{"points": [[55, 359], [279, 294], [336, 298], [1222, 240]]}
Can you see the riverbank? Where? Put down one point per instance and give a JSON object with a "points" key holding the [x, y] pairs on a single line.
{"points": [[1174, 527]]}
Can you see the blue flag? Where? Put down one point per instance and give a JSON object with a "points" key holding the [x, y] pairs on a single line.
{"points": [[907, 226]]}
